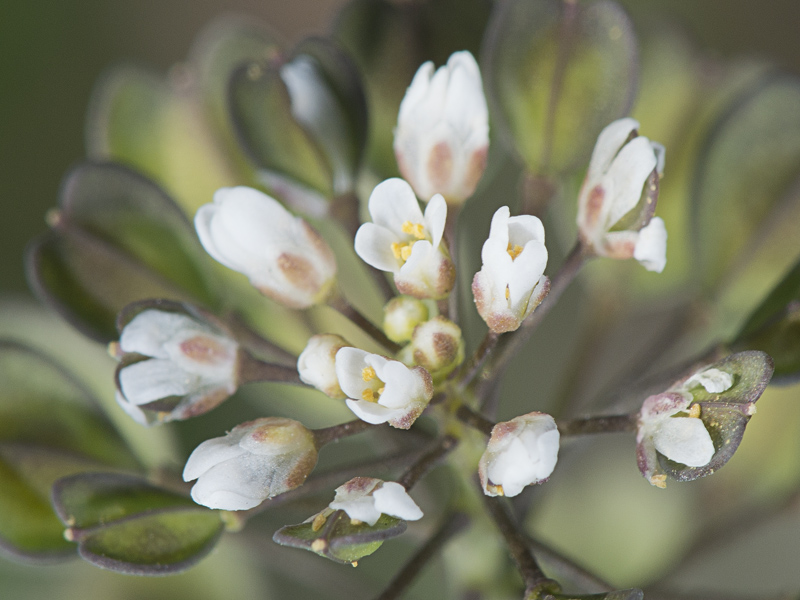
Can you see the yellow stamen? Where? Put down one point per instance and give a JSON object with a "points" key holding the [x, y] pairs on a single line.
{"points": [[318, 522], [354, 563], [496, 489], [508, 293], [381, 390], [694, 411], [405, 251], [514, 251], [415, 229], [368, 373], [319, 545], [660, 481], [402, 251], [355, 522], [368, 395], [396, 248]]}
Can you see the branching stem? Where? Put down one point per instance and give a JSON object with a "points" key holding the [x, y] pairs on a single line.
{"points": [[427, 461], [342, 306], [253, 370]]}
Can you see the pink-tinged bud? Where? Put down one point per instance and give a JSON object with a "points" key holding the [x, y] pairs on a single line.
{"points": [[317, 363], [381, 390], [521, 452], [283, 257], [255, 461], [406, 242], [174, 366], [618, 197], [511, 282], [437, 346], [442, 136]]}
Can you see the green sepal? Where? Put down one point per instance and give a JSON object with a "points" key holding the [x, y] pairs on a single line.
{"points": [[338, 539], [725, 415], [389, 41], [116, 238], [631, 594], [774, 327], [556, 73], [50, 426], [125, 524], [744, 170]]}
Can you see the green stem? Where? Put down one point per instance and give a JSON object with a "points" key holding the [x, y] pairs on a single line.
{"points": [[341, 431], [347, 310], [475, 420], [582, 578], [605, 424], [242, 332], [427, 461], [478, 359], [252, 370]]}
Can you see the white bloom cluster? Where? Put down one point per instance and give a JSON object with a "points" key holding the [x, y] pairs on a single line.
{"points": [[366, 499]]}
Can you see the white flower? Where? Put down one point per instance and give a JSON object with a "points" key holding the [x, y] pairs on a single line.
{"points": [[316, 365], [283, 257], [521, 452], [621, 164], [365, 499], [511, 282], [442, 135], [255, 461], [381, 390], [191, 369], [670, 425], [407, 243], [713, 380]]}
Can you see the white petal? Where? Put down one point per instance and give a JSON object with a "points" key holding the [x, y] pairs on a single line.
{"points": [[361, 508], [684, 440], [415, 94], [713, 380], [223, 499], [608, 144], [148, 331], [350, 363], [392, 203], [435, 219], [373, 244], [651, 246], [372, 412], [524, 228], [133, 411], [210, 453], [392, 499], [149, 380], [626, 177]]}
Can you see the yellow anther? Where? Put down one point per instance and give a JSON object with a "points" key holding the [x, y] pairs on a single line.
{"points": [[318, 522], [354, 563], [415, 229], [496, 489], [381, 390], [402, 251], [368, 374], [319, 545], [514, 251], [368, 395], [508, 293], [694, 411], [355, 522], [660, 481], [396, 248], [405, 251]]}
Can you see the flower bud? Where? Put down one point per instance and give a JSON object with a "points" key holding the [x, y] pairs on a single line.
{"points": [[521, 452], [366, 499], [317, 363], [437, 346], [618, 197], [283, 257], [255, 461], [669, 424], [401, 315], [381, 390], [442, 136], [511, 282], [407, 243], [173, 366]]}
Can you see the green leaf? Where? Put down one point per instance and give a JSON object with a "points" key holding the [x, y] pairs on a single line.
{"points": [[631, 594], [261, 112], [556, 74], [127, 525], [50, 426], [725, 415], [117, 238], [389, 41], [748, 162], [144, 121], [774, 327], [338, 539]]}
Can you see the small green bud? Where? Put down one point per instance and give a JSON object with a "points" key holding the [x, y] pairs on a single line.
{"points": [[401, 315], [437, 345]]}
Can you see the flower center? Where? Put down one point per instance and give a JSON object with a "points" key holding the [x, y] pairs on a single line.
{"points": [[370, 395], [402, 251], [514, 250]]}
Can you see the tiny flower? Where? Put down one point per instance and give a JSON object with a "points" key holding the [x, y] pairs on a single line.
{"points": [[407, 243], [521, 452], [713, 380], [669, 424], [511, 282], [437, 346], [442, 135], [381, 390], [283, 257], [316, 364], [366, 499], [255, 461], [401, 315], [622, 164], [173, 366]]}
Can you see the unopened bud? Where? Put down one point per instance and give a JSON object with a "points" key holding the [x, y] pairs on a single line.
{"points": [[401, 315], [317, 363], [437, 345]]}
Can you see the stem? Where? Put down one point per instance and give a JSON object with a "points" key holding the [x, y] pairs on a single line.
{"points": [[587, 581], [427, 461], [473, 367], [608, 424], [537, 192], [252, 370], [535, 581], [450, 528], [509, 345], [339, 432], [242, 331], [347, 310], [451, 237], [474, 419], [344, 209]]}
